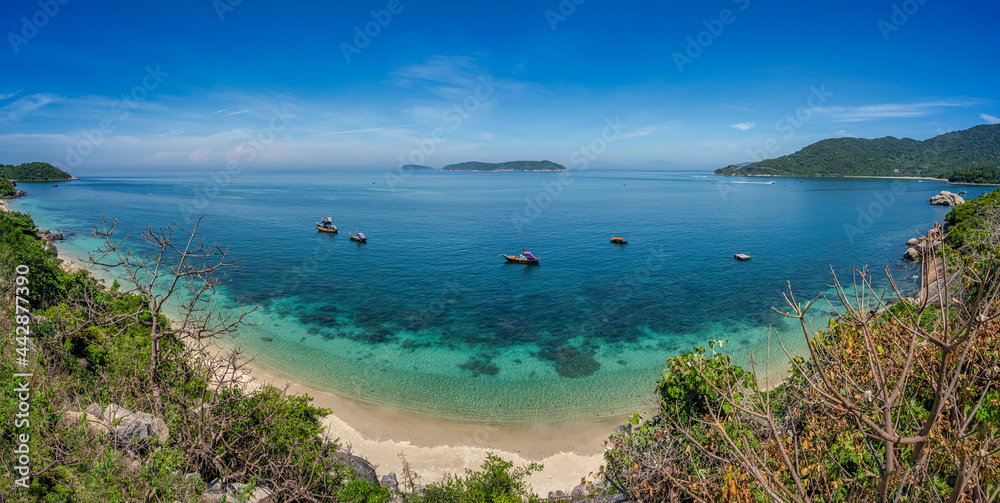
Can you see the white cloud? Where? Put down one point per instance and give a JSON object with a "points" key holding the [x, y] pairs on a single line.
{"points": [[4, 96], [888, 110], [25, 106], [743, 126], [989, 118]]}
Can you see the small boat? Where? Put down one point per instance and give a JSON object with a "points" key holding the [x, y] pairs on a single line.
{"points": [[332, 229], [772, 182], [55, 185], [511, 259], [359, 237], [964, 192], [741, 256], [616, 239]]}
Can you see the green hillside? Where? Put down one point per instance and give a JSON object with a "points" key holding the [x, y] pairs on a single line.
{"points": [[6, 188], [33, 171], [937, 157]]}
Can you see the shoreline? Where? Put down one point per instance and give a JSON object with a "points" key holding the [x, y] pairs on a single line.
{"points": [[945, 180], [436, 448]]}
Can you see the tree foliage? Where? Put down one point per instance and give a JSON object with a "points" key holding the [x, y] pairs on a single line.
{"points": [[935, 157], [33, 171]]}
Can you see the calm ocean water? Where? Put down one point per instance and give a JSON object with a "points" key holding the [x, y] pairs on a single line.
{"points": [[427, 317]]}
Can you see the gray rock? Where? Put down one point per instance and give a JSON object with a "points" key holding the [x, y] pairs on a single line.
{"points": [[55, 237], [578, 493], [216, 491], [912, 254], [560, 495], [552, 496], [132, 426], [912, 241], [625, 429], [94, 410], [361, 466], [419, 490], [390, 481], [945, 198]]}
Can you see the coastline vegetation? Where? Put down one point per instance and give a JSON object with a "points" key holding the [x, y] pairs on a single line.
{"points": [[963, 154], [6, 188], [977, 172], [112, 347], [897, 402], [33, 171]]}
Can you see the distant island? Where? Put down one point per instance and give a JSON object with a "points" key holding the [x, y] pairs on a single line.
{"points": [[33, 172], [416, 167], [968, 156], [28, 172], [506, 166]]}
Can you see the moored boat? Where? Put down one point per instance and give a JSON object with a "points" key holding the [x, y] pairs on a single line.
{"points": [[512, 259], [359, 237], [616, 239], [326, 225], [524, 258]]}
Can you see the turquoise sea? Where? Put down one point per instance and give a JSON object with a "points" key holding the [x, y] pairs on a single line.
{"points": [[427, 317]]}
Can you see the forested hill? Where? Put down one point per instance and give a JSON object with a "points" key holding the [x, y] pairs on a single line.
{"points": [[938, 156], [33, 171], [506, 166]]}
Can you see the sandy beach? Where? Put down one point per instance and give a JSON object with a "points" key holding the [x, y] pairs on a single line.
{"points": [[435, 448]]}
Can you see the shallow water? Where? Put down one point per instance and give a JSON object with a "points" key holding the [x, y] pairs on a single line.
{"points": [[427, 316]]}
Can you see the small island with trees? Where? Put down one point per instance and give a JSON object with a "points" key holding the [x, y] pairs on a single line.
{"points": [[506, 166], [34, 172], [28, 172], [967, 156]]}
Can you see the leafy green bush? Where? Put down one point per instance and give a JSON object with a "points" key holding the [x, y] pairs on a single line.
{"points": [[362, 491], [498, 482], [688, 387]]}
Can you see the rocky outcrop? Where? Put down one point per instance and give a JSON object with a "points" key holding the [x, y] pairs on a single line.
{"points": [[364, 469], [132, 426], [217, 492], [946, 198], [389, 480], [918, 246]]}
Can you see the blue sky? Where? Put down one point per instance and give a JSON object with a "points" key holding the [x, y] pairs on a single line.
{"points": [[199, 84]]}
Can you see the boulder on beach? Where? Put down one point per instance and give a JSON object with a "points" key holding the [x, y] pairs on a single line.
{"points": [[912, 254], [913, 242], [945, 198]]}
